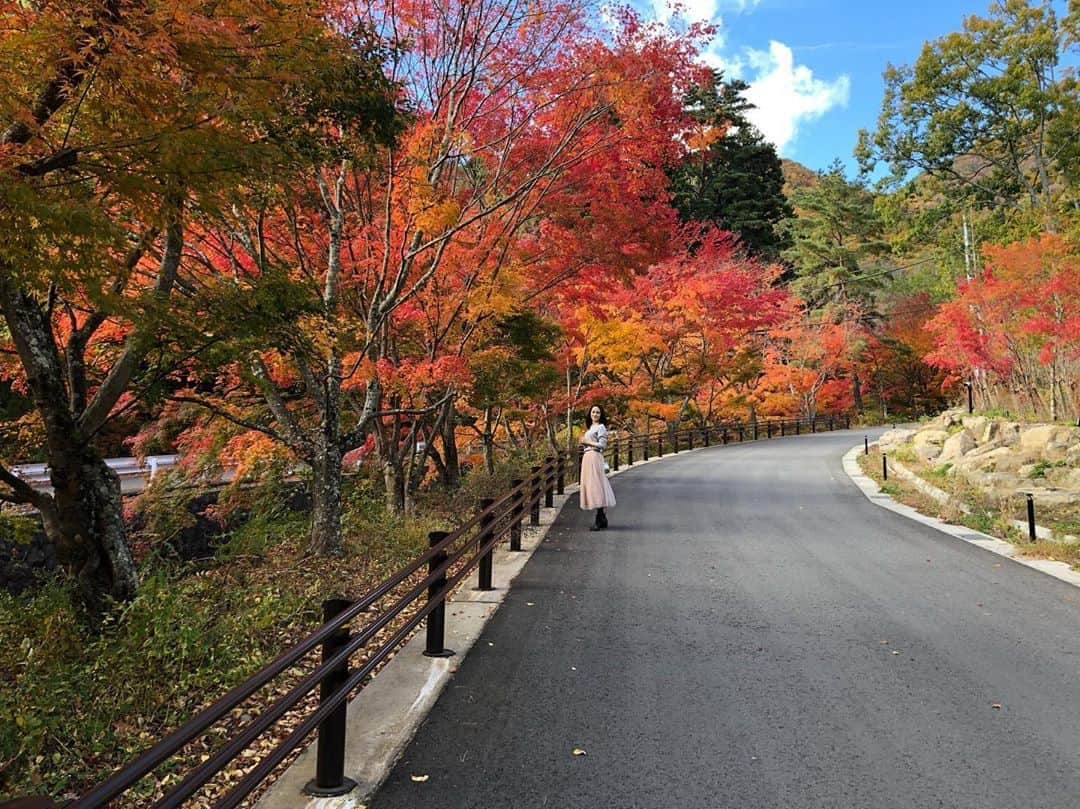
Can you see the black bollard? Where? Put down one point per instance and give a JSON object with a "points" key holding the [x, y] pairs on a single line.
{"points": [[330, 777], [485, 565], [884, 467], [866, 444], [534, 495], [518, 514], [436, 620], [549, 482], [1031, 517]]}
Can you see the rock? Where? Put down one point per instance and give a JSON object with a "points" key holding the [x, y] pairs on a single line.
{"points": [[1064, 478], [1049, 498], [955, 446], [891, 439], [1009, 433], [1038, 438], [928, 443], [975, 425]]}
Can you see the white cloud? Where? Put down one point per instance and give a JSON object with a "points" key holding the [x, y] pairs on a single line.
{"points": [[787, 95]]}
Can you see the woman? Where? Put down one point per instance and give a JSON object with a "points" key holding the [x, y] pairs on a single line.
{"points": [[595, 490]]}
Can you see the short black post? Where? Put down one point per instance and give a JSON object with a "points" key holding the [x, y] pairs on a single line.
{"points": [[1031, 517], [754, 425], [832, 423], [971, 396], [534, 495], [866, 444], [768, 429], [676, 438], [724, 436], [707, 435], [486, 528], [630, 451], [660, 446], [741, 436], [847, 421], [436, 620], [884, 466], [797, 423], [560, 481], [615, 456], [813, 424], [549, 481], [782, 422], [330, 777], [517, 514]]}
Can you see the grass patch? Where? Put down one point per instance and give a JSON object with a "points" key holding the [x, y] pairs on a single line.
{"points": [[75, 706]]}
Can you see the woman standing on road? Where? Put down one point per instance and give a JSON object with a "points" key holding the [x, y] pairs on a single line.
{"points": [[595, 490]]}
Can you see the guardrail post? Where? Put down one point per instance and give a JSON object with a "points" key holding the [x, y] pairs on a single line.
{"points": [[436, 620], [847, 421], [1031, 517], [813, 424], [707, 431], [724, 436], [630, 451], [690, 437], [645, 447], [615, 456], [560, 481], [549, 481], [330, 777], [742, 435], [782, 423], [486, 529], [768, 429], [517, 514], [832, 423], [660, 446], [798, 422], [884, 466], [534, 495], [676, 443], [754, 426]]}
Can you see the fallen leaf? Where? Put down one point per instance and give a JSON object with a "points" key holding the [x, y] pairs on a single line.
{"points": [[579, 752], [420, 778]]}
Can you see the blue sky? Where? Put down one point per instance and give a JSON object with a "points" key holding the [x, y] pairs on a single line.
{"points": [[815, 66]]}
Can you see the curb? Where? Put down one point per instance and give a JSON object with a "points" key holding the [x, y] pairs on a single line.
{"points": [[873, 493]]}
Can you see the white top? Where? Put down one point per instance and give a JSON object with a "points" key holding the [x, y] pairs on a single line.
{"points": [[597, 433]]}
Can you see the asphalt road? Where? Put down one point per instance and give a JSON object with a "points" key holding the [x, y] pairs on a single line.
{"points": [[752, 632]]}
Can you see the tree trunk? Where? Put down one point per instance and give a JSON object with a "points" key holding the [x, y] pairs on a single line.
{"points": [[394, 479], [89, 533], [326, 478], [451, 467], [489, 442], [856, 392]]}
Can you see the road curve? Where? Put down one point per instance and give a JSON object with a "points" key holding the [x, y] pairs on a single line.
{"points": [[752, 632]]}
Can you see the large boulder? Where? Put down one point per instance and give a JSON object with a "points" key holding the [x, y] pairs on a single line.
{"points": [[1046, 436], [894, 438], [956, 446], [928, 443], [976, 425]]}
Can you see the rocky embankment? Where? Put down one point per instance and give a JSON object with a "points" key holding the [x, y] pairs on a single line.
{"points": [[1001, 458]]}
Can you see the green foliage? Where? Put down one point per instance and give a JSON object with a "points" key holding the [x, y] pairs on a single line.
{"points": [[17, 529], [76, 705], [987, 112], [736, 182], [1042, 467], [837, 241]]}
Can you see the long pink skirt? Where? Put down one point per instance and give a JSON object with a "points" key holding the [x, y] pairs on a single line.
{"points": [[595, 490]]}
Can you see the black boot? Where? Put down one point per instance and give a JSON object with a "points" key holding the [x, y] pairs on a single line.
{"points": [[601, 521]]}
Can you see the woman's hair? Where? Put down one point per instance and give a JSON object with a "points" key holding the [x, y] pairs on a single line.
{"points": [[588, 416]]}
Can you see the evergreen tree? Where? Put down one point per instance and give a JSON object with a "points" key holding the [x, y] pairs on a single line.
{"points": [[731, 176]]}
